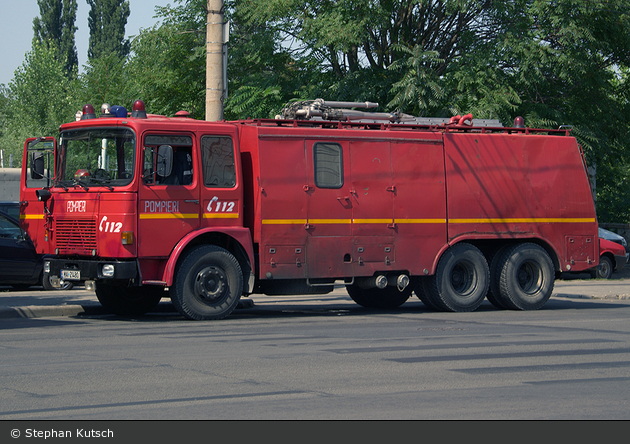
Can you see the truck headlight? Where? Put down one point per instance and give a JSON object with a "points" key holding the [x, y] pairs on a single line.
{"points": [[46, 267]]}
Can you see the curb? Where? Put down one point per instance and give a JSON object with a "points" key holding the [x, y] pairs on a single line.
{"points": [[43, 311], [618, 297]]}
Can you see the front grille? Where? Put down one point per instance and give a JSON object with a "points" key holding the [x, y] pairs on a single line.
{"points": [[75, 236]]}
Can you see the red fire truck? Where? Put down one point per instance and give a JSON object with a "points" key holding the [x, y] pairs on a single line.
{"points": [[141, 207]]}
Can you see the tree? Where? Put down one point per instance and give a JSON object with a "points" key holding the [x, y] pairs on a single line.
{"points": [[105, 81], [107, 20], [57, 26], [167, 64], [38, 99]]}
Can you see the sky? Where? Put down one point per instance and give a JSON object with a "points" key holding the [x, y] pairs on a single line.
{"points": [[16, 29]]}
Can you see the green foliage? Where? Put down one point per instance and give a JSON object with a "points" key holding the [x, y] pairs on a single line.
{"points": [[167, 70], [419, 86], [57, 25], [38, 100], [105, 81], [107, 20], [252, 100]]}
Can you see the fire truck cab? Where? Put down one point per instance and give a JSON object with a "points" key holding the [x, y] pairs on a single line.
{"points": [[142, 207]]}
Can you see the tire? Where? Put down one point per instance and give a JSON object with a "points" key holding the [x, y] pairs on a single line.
{"points": [[461, 280], [128, 301], [605, 268], [67, 285], [208, 284], [422, 294], [526, 277], [386, 298], [494, 290]]}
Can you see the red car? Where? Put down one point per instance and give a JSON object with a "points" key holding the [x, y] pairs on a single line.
{"points": [[612, 256]]}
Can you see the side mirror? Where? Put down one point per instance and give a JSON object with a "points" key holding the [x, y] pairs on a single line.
{"points": [[37, 165], [164, 165]]}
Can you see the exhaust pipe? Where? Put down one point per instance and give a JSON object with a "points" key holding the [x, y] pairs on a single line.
{"points": [[381, 282]]}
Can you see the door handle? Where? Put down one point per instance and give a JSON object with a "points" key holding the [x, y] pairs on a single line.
{"points": [[195, 201]]}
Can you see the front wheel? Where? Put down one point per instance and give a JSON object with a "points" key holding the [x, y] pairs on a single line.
{"points": [[67, 285], [208, 283]]}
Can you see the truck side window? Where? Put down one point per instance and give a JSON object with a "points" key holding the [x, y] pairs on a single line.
{"points": [[217, 156], [182, 172], [328, 165]]}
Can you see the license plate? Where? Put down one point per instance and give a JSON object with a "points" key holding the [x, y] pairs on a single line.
{"points": [[71, 275]]}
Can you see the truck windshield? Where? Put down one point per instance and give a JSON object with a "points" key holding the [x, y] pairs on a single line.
{"points": [[96, 157]]}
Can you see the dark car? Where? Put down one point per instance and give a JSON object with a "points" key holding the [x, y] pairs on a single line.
{"points": [[20, 265], [11, 208]]}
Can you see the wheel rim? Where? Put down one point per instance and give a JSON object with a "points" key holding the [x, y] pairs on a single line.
{"points": [[463, 279], [211, 285], [604, 269], [529, 278]]}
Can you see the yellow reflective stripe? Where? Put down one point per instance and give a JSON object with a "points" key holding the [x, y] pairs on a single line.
{"points": [[330, 221], [523, 220], [31, 216], [420, 221], [169, 216], [220, 215], [283, 221], [431, 221], [372, 221]]}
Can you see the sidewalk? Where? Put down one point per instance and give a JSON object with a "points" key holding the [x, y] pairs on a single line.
{"points": [[36, 302]]}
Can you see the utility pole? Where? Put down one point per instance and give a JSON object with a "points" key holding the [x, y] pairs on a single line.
{"points": [[214, 61]]}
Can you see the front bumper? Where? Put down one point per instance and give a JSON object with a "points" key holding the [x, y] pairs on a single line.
{"points": [[90, 270], [620, 261]]}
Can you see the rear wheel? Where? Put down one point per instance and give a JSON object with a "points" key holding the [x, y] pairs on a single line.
{"points": [[461, 280], [495, 280], [208, 283], [128, 301], [526, 277], [389, 297], [605, 268]]}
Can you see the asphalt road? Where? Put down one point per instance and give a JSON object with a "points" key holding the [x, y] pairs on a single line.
{"points": [[326, 358]]}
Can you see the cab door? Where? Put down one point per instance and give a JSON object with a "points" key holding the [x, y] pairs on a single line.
{"points": [[37, 173], [169, 206]]}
